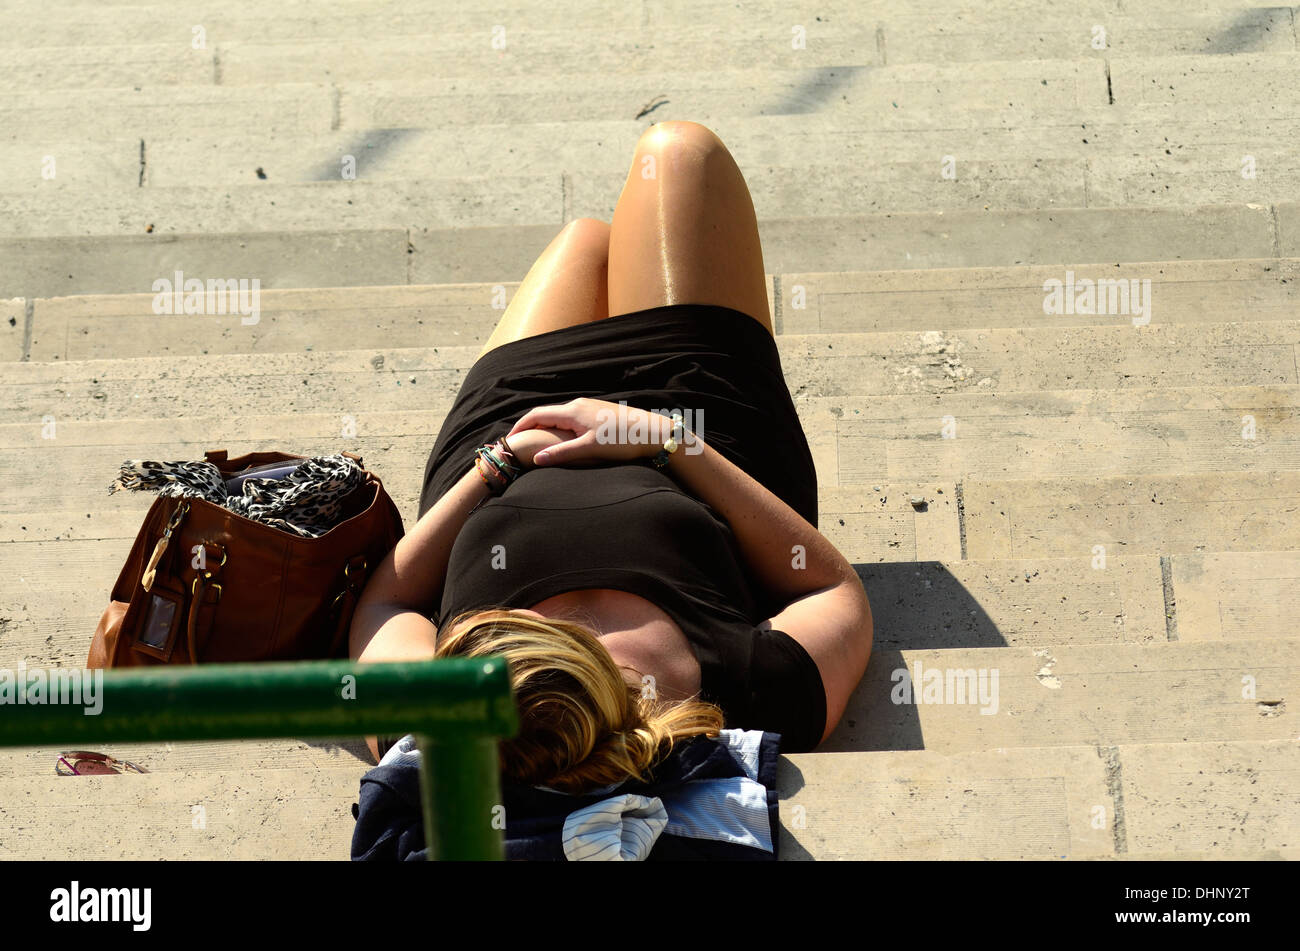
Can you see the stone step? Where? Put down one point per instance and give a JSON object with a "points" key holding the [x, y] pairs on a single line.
{"points": [[1045, 518], [920, 95], [206, 812], [1166, 800], [316, 107], [1180, 800], [60, 588], [981, 518], [857, 443], [961, 12], [1063, 433], [908, 96], [104, 196], [890, 40], [408, 193], [968, 698], [946, 32], [105, 326], [464, 203], [956, 299], [309, 755], [61, 573], [56, 537], [1225, 595], [294, 108], [1024, 185], [131, 263], [666, 11], [843, 365], [1190, 180], [1096, 585], [94, 327], [57, 568], [47, 267], [1200, 855], [1200, 154], [239, 57], [147, 23], [44, 68]]}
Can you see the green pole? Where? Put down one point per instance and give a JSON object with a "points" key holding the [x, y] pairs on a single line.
{"points": [[452, 699], [459, 708], [463, 780]]}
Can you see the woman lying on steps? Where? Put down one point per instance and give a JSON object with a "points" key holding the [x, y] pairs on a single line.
{"points": [[643, 588]]}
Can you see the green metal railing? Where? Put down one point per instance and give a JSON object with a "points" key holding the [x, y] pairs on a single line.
{"points": [[459, 710]]}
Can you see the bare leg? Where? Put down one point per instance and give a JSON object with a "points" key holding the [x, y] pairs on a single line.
{"points": [[566, 285], [684, 230]]}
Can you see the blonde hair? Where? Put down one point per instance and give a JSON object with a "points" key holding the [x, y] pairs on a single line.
{"points": [[581, 725]]}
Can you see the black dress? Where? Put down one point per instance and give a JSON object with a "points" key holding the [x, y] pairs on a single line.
{"points": [[629, 526]]}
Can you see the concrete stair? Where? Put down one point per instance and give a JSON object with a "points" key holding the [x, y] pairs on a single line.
{"points": [[1098, 506], [1185, 800], [50, 266]]}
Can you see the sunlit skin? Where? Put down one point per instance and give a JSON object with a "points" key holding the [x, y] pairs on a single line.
{"points": [[639, 637], [683, 231]]}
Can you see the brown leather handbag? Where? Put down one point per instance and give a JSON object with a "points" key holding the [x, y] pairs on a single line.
{"points": [[205, 584]]}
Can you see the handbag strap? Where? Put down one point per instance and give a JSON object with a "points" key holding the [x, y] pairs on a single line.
{"points": [[220, 458], [345, 602], [204, 582], [354, 580]]}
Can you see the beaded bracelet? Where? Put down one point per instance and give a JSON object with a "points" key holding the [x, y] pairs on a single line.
{"points": [[497, 465], [670, 446], [492, 477]]}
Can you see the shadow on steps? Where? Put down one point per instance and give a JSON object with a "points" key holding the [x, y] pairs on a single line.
{"points": [[915, 605]]}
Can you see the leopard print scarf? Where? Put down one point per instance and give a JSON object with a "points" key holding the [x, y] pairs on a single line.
{"points": [[307, 502]]}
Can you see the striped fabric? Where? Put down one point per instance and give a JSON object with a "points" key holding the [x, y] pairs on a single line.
{"points": [[618, 829], [710, 799], [731, 810]]}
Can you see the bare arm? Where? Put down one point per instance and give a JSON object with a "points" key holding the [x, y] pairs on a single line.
{"points": [[785, 553], [390, 622], [408, 583], [826, 609], [391, 619]]}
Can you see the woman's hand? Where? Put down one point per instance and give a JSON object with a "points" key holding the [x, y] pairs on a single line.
{"points": [[596, 430], [527, 444]]}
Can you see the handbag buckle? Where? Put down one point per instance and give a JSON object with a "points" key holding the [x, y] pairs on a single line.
{"points": [[151, 569], [348, 584]]}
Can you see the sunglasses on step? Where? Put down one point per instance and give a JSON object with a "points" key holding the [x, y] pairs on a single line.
{"points": [[81, 763]]}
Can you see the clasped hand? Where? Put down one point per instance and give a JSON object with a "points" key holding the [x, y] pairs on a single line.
{"points": [[585, 432]]}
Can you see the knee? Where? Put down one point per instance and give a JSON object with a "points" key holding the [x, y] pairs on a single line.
{"points": [[679, 133], [586, 236], [679, 145]]}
